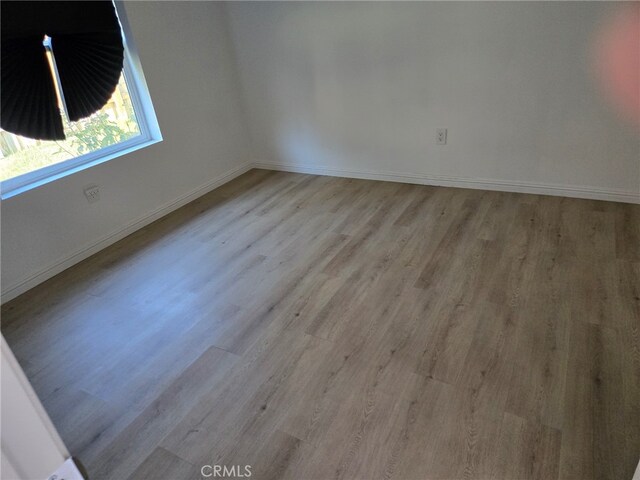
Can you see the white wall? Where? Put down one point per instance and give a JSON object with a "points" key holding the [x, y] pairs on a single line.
{"points": [[359, 89], [188, 63], [31, 447]]}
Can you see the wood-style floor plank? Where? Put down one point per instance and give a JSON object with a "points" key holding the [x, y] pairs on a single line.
{"points": [[164, 464], [316, 327]]}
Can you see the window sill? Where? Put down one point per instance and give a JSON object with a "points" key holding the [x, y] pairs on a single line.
{"points": [[41, 177]]}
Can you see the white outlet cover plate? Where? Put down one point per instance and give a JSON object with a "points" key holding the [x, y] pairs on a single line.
{"points": [[441, 136], [92, 193]]}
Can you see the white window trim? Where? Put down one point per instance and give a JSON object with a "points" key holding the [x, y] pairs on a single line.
{"points": [[145, 116]]}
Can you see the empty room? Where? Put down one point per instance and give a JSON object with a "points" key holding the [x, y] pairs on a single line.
{"points": [[320, 240]]}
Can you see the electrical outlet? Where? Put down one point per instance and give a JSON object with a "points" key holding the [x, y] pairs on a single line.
{"points": [[441, 136], [92, 193]]}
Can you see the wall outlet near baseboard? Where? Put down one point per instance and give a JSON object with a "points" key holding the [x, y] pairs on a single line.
{"points": [[92, 192], [441, 136]]}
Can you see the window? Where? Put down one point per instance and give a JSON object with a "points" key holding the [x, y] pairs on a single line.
{"points": [[127, 122]]}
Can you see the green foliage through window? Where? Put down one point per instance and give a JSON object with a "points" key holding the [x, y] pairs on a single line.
{"points": [[96, 133]]}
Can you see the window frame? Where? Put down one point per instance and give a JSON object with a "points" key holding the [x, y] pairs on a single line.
{"points": [[145, 117]]}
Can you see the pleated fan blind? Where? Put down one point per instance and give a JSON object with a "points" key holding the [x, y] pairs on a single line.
{"points": [[86, 44]]}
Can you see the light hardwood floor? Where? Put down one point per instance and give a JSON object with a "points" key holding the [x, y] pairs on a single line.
{"points": [[325, 328]]}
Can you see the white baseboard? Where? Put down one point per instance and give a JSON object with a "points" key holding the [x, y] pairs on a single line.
{"points": [[53, 269], [462, 182]]}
